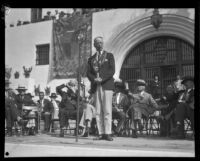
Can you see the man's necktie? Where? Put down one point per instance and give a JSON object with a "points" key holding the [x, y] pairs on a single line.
{"points": [[98, 57]]}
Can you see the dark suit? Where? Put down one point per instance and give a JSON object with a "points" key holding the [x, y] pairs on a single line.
{"points": [[67, 108], [106, 71], [104, 91], [11, 112], [167, 125], [19, 102], [184, 110]]}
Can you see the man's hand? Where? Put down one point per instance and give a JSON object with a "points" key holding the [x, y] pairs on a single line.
{"points": [[98, 80]]}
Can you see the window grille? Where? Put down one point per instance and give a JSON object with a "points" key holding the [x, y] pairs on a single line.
{"points": [[42, 54]]}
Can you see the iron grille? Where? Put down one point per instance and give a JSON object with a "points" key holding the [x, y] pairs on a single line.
{"points": [[166, 56]]}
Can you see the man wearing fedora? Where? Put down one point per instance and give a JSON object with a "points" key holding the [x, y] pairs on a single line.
{"points": [[20, 98], [100, 71], [11, 111], [184, 108], [143, 104]]}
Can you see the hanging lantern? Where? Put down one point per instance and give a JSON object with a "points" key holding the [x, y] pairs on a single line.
{"points": [[156, 19]]}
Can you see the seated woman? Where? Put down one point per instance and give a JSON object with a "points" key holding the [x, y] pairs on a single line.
{"points": [[167, 115]]}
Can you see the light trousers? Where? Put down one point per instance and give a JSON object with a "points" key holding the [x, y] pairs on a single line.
{"points": [[103, 105]]}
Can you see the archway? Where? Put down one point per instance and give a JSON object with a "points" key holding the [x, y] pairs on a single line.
{"points": [[138, 31], [166, 56]]}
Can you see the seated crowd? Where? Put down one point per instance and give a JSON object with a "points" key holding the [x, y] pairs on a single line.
{"points": [[174, 107]]}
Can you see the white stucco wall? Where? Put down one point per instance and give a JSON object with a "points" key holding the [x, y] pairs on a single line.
{"points": [[20, 50], [122, 29]]}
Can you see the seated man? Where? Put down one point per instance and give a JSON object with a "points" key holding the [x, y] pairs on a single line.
{"points": [[167, 115], [143, 104], [120, 104], [184, 108], [29, 114], [67, 107]]}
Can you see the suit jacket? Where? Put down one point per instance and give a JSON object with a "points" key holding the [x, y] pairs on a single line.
{"points": [[65, 103], [46, 105], [106, 71], [146, 104], [19, 102], [10, 105]]}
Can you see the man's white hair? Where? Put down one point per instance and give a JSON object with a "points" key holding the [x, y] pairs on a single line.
{"points": [[98, 37]]}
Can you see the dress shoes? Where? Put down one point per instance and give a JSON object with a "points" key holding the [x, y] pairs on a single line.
{"points": [[177, 133], [86, 134], [100, 137], [108, 137], [141, 127], [134, 134], [61, 133]]}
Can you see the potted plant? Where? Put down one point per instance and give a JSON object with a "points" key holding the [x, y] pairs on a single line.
{"points": [[16, 75], [27, 71]]}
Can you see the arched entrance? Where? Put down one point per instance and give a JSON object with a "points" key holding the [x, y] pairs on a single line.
{"points": [[166, 56]]}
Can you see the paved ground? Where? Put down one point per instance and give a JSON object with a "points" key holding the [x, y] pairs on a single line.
{"points": [[52, 145]]}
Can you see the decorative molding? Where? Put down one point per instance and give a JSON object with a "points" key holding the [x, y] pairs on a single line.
{"points": [[173, 25]]}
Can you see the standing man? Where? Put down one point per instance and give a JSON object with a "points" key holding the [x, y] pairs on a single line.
{"points": [[42, 103], [101, 68], [20, 99], [11, 111]]}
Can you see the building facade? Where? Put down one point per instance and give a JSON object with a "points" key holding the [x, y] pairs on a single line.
{"points": [[141, 50]]}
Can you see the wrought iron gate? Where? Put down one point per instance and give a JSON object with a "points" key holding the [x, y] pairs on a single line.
{"points": [[166, 56]]}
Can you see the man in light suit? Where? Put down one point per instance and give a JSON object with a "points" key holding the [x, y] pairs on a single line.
{"points": [[42, 104], [101, 68], [143, 104]]}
